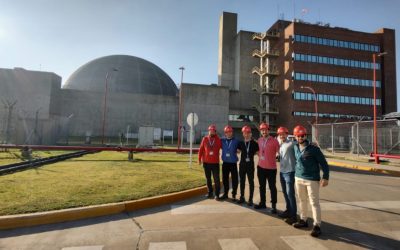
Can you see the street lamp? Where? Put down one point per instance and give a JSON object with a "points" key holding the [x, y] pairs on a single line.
{"points": [[68, 118], [316, 109], [180, 109], [105, 104], [374, 55]]}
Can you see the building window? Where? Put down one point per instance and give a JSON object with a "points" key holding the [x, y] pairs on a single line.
{"points": [[337, 43], [335, 98], [334, 80]]}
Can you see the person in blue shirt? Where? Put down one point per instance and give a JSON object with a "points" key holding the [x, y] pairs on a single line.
{"points": [[229, 162], [287, 165], [309, 163]]}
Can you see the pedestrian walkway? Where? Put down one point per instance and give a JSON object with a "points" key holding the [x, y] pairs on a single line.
{"points": [[358, 211]]}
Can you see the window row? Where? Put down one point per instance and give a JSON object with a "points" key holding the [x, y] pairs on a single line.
{"points": [[336, 98], [327, 115], [335, 61], [336, 43], [335, 80]]}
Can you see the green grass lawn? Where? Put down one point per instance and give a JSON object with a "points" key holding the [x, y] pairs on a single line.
{"points": [[14, 155], [96, 179]]}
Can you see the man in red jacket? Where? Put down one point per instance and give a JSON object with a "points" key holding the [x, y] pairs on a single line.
{"points": [[209, 156]]}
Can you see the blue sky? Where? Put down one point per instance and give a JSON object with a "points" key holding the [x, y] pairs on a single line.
{"points": [[61, 35]]}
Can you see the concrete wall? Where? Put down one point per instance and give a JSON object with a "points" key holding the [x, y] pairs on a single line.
{"points": [[31, 90], [30, 120], [210, 103], [123, 109], [226, 60]]}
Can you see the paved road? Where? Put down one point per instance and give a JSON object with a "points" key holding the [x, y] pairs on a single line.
{"points": [[359, 211]]}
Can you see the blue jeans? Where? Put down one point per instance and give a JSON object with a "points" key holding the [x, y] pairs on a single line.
{"points": [[287, 182]]}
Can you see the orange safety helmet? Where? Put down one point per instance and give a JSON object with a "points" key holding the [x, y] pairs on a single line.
{"points": [[212, 127], [282, 130], [299, 130], [264, 126], [228, 129], [246, 129]]}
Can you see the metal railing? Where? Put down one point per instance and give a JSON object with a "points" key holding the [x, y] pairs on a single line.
{"points": [[264, 53], [263, 71], [271, 89], [357, 137], [264, 35]]}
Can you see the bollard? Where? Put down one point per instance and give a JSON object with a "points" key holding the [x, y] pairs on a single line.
{"points": [[26, 153], [130, 156]]}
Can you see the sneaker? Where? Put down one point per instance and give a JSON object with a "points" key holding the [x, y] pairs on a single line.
{"points": [[241, 200], [260, 206], [290, 220], [218, 198], [316, 231], [223, 197], [250, 203], [300, 224], [209, 196], [284, 214]]}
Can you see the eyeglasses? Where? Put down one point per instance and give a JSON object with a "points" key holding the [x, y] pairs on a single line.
{"points": [[301, 136]]}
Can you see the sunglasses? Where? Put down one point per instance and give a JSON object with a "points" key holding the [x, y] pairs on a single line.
{"points": [[301, 136]]}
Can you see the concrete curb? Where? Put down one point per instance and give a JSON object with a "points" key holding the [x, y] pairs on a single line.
{"points": [[42, 218], [365, 168]]}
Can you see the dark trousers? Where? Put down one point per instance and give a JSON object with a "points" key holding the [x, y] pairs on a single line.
{"points": [[230, 168], [287, 183], [264, 175], [212, 168], [246, 169]]}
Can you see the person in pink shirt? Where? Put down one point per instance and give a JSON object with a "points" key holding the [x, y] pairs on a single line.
{"points": [[266, 169]]}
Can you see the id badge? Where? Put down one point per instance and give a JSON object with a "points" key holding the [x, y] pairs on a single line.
{"points": [[263, 158], [228, 155], [247, 159], [211, 153]]}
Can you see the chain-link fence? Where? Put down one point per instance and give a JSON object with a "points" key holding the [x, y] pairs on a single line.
{"points": [[358, 137]]}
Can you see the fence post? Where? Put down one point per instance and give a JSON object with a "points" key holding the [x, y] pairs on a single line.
{"points": [[333, 150], [358, 140]]}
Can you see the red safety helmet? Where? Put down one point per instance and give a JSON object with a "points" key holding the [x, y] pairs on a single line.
{"points": [[264, 126], [212, 127], [246, 129], [282, 130], [228, 129], [299, 130]]}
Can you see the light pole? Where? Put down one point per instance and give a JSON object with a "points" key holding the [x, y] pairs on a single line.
{"points": [[68, 119], [180, 109], [105, 104], [374, 55], [316, 109]]}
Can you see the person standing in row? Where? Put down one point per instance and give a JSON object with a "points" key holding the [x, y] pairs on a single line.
{"points": [[248, 149], [287, 168], [209, 156], [266, 169], [309, 162], [229, 162]]}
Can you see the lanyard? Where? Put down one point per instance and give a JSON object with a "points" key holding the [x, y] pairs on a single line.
{"points": [[211, 144], [247, 145], [229, 144], [263, 144]]}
